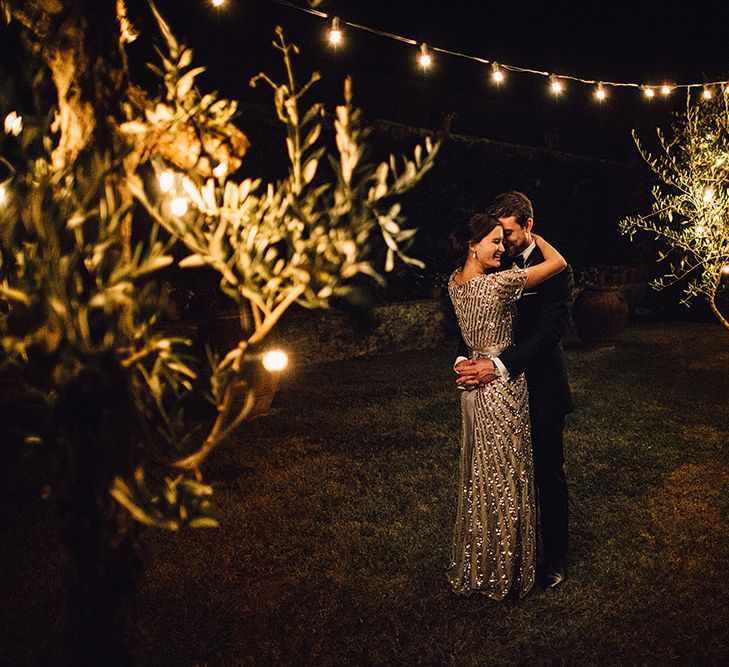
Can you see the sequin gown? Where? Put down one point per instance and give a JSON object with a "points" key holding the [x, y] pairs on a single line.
{"points": [[493, 549]]}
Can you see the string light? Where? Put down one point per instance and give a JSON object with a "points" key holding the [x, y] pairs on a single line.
{"points": [[218, 3], [3, 194], [497, 74], [335, 33], [600, 93], [166, 181], [707, 94], [708, 194], [725, 269], [700, 230], [555, 85], [425, 58], [178, 206], [274, 361]]}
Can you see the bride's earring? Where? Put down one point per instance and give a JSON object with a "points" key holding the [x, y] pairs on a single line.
{"points": [[474, 254]]}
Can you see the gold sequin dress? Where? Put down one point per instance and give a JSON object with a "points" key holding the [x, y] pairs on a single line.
{"points": [[493, 549]]}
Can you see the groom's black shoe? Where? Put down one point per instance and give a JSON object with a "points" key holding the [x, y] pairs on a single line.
{"points": [[555, 574]]}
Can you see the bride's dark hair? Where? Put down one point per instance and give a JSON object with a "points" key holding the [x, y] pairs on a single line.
{"points": [[478, 226]]}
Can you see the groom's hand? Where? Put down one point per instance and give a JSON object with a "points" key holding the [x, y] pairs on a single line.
{"points": [[475, 373]]}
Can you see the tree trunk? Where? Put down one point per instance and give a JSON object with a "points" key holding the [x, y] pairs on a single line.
{"points": [[80, 42], [101, 538]]}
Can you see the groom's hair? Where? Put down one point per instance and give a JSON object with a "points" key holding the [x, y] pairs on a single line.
{"points": [[512, 203]]}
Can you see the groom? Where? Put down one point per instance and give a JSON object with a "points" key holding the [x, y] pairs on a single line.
{"points": [[543, 314]]}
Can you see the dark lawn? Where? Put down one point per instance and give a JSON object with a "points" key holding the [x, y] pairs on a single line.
{"points": [[337, 510]]}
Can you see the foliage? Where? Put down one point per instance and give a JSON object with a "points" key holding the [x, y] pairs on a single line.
{"points": [[84, 246], [690, 212]]}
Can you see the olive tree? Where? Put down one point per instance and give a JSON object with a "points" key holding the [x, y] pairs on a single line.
{"points": [[690, 212], [106, 188]]}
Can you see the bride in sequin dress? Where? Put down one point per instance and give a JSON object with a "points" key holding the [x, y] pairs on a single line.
{"points": [[493, 550]]}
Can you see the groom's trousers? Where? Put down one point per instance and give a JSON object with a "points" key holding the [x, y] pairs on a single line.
{"points": [[551, 483]]}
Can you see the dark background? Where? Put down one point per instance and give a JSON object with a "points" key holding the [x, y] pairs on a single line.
{"points": [[618, 41]]}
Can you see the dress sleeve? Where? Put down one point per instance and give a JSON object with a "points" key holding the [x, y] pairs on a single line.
{"points": [[509, 284]]}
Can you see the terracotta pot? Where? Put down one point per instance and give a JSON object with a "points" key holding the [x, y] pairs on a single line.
{"points": [[599, 313]]}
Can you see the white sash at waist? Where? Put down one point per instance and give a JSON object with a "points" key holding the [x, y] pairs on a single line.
{"points": [[487, 352]]}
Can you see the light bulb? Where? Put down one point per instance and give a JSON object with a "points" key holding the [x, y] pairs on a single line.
{"points": [[335, 34], [178, 206], [497, 74], [555, 84], [218, 3], [3, 193], [725, 269], [425, 59], [666, 89], [166, 181], [708, 194], [274, 361], [648, 91], [600, 93], [706, 94]]}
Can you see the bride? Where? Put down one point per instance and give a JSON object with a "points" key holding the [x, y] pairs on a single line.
{"points": [[493, 550]]}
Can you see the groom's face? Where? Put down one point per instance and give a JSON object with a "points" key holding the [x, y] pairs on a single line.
{"points": [[516, 237]]}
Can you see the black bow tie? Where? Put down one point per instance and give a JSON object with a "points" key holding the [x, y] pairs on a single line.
{"points": [[519, 261]]}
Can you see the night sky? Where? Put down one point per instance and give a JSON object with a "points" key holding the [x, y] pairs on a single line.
{"points": [[634, 42]]}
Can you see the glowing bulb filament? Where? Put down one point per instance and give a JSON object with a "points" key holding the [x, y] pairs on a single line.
{"points": [[665, 89], [178, 206], [649, 92], [274, 361], [425, 59], [335, 34], [166, 181], [555, 84], [497, 74], [600, 93]]}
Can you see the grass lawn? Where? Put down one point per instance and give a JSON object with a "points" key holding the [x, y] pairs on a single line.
{"points": [[338, 506]]}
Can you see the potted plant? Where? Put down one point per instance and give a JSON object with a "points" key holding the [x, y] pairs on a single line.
{"points": [[600, 311]]}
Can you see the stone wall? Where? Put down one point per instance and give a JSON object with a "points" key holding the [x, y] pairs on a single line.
{"points": [[311, 337]]}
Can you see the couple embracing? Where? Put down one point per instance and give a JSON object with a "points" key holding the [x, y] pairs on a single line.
{"points": [[512, 299]]}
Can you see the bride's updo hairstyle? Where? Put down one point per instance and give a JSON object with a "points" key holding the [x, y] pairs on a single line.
{"points": [[479, 226]]}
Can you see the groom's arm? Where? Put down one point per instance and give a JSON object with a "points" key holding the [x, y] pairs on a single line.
{"points": [[553, 322], [461, 350]]}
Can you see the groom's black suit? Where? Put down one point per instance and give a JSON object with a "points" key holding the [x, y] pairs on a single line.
{"points": [[543, 314]]}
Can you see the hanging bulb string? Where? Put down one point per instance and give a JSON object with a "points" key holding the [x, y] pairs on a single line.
{"points": [[485, 61]]}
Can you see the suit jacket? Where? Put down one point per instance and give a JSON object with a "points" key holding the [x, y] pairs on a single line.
{"points": [[543, 314]]}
